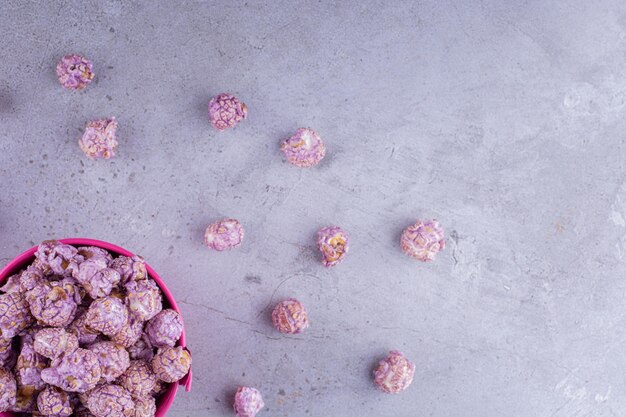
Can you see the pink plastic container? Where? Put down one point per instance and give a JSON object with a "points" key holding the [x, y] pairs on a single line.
{"points": [[19, 263]]}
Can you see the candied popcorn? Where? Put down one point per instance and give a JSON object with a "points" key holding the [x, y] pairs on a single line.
{"points": [[54, 402], [7, 354], [248, 402], [75, 72], [423, 240], [129, 334], [78, 371], [333, 243], [113, 359], [80, 328], [171, 364], [30, 277], [138, 379], [394, 373], [54, 342], [144, 299], [165, 328], [159, 388], [130, 269], [96, 278], [144, 407], [15, 314], [107, 315], [53, 303], [304, 148], [290, 317], [142, 350], [56, 256], [29, 365], [110, 400], [225, 111], [99, 140], [8, 389], [224, 234]]}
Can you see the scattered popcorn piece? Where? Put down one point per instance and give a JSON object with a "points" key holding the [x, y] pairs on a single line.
{"points": [[75, 72], [248, 402], [304, 148], [423, 240], [226, 111], [290, 317], [99, 140], [224, 234], [394, 373], [333, 243]]}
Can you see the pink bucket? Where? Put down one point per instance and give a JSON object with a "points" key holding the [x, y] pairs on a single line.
{"points": [[17, 264]]}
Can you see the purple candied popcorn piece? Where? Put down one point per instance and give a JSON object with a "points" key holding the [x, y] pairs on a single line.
{"points": [[333, 242], [248, 402], [144, 407], [107, 315], [130, 269], [78, 371], [99, 140], [8, 389], [394, 373], [58, 257], [142, 349], [53, 303], [80, 328], [92, 252], [75, 72], [113, 359], [225, 111], [129, 334], [138, 379], [171, 364], [15, 314], [224, 234], [7, 354], [101, 282], [54, 342], [110, 400], [165, 328], [54, 402], [29, 365], [304, 148], [144, 299], [290, 317], [30, 277], [423, 240]]}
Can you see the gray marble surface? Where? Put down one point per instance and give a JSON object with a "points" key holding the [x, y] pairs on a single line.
{"points": [[502, 119]]}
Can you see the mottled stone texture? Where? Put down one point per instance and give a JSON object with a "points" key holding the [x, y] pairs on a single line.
{"points": [[504, 120]]}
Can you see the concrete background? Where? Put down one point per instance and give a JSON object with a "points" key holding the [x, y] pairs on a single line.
{"points": [[504, 120]]}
